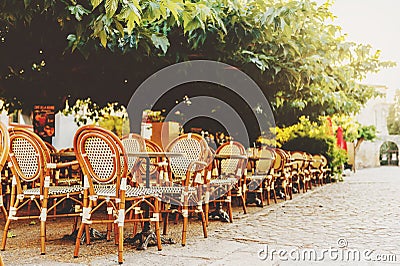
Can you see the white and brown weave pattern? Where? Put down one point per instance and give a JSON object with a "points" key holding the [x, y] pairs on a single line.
{"points": [[110, 191], [101, 159], [193, 152], [132, 144], [26, 157], [224, 180], [54, 190], [229, 166], [266, 160]]}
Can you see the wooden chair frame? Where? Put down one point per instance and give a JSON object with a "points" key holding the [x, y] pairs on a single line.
{"points": [[104, 162], [29, 160]]}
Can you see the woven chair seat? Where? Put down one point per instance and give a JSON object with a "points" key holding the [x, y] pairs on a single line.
{"points": [[55, 190], [174, 190], [141, 192], [105, 190], [224, 180], [109, 191], [256, 177]]}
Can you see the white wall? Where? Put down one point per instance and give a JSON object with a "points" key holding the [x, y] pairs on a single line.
{"points": [[65, 131]]}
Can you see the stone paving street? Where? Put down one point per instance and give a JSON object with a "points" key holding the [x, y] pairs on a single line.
{"points": [[356, 221]]}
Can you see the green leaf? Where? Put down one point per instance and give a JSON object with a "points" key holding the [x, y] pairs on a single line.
{"points": [[133, 18], [95, 3], [103, 38], [175, 7], [111, 7], [153, 11], [78, 11], [160, 42], [119, 27]]}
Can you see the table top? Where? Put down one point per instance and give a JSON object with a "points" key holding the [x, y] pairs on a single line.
{"points": [[230, 156], [256, 158], [155, 154]]}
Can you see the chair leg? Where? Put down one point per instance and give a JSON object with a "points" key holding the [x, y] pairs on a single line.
{"points": [[116, 234], [166, 220], [185, 215], [203, 221], [120, 244], [78, 239], [55, 209], [177, 216], [206, 212], [275, 199], [261, 196], [4, 211], [267, 193], [87, 234], [4, 240], [229, 203], [157, 224], [109, 226], [244, 203], [42, 237]]}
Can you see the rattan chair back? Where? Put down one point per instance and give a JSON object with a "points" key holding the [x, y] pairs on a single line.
{"points": [[299, 159], [263, 164], [133, 143], [28, 155], [194, 147], [100, 154], [232, 165]]}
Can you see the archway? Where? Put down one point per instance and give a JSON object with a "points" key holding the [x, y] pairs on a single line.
{"points": [[389, 153]]}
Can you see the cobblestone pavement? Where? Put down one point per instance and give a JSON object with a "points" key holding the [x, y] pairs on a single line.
{"points": [[356, 221]]}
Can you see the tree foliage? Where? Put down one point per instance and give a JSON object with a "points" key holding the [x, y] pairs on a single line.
{"points": [[393, 119], [298, 57], [313, 137]]}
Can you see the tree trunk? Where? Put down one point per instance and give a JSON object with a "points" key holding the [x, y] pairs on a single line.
{"points": [[356, 148]]}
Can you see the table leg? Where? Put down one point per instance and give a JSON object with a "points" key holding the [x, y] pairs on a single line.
{"points": [[147, 234], [220, 213]]}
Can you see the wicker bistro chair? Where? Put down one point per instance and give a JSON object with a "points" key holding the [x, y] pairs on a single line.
{"points": [[318, 168], [261, 179], [298, 169], [325, 169], [282, 173], [184, 192], [137, 166], [231, 159], [4, 148], [307, 171], [107, 196], [30, 163], [134, 143], [158, 173]]}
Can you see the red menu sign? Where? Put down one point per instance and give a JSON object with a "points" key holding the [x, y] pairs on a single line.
{"points": [[43, 121]]}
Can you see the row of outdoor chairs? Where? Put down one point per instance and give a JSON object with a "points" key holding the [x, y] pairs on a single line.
{"points": [[113, 191], [286, 173]]}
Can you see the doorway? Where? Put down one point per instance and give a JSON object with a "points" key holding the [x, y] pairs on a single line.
{"points": [[389, 153]]}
